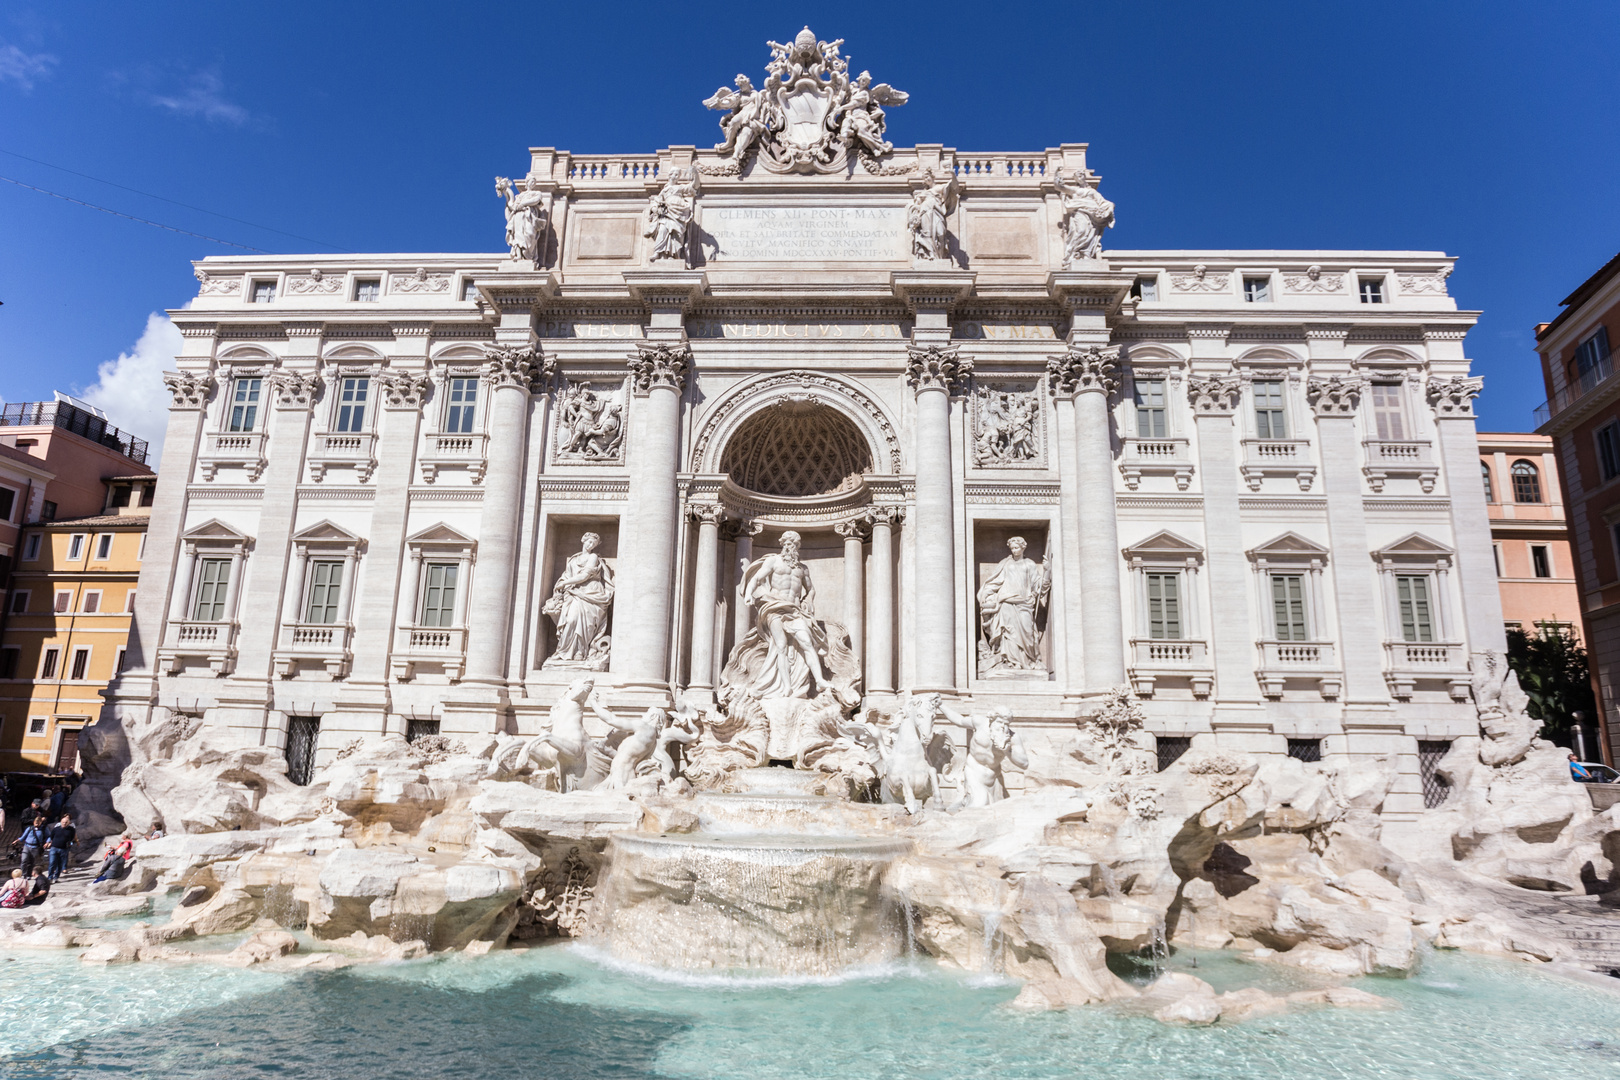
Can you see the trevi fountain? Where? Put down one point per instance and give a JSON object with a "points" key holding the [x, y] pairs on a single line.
{"points": [[808, 608]]}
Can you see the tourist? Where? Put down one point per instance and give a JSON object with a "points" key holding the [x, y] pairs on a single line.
{"points": [[118, 855], [59, 796], [15, 892], [60, 841], [155, 834], [33, 842], [39, 886], [1578, 772]]}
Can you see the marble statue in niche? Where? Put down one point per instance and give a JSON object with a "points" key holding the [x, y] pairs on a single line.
{"points": [[525, 219], [579, 605], [669, 217], [930, 206], [1010, 605], [590, 423], [779, 589], [1085, 215], [1005, 433]]}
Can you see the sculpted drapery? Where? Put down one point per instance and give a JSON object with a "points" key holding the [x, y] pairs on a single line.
{"points": [[1009, 607], [579, 605]]}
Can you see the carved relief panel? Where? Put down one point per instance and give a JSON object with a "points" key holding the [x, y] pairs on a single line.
{"points": [[590, 424], [1009, 426]]}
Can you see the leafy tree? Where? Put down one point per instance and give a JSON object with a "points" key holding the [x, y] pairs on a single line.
{"points": [[1551, 665]]}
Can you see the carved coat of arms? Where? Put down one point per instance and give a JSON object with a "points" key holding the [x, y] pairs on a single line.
{"points": [[810, 115]]}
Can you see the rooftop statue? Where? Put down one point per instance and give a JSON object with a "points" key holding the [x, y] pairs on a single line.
{"points": [[809, 116], [1085, 215], [669, 217], [525, 219]]}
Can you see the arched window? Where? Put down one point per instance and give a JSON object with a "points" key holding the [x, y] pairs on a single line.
{"points": [[1526, 483], [1485, 472]]}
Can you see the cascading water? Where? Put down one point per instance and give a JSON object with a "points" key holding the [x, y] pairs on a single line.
{"points": [[762, 888]]}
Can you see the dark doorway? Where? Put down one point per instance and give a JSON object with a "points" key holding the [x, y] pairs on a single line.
{"points": [[302, 731]]}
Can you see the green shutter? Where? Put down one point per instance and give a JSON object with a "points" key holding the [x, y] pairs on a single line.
{"points": [[439, 595], [325, 584], [1417, 616], [212, 581], [1288, 605]]}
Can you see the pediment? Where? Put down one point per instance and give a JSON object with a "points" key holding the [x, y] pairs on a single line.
{"points": [[216, 531], [1414, 546], [440, 533], [354, 353], [328, 532], [1164, 545], [1290, 545]]}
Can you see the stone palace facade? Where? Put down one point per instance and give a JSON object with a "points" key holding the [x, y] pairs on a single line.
{"points": [[427, 492]]}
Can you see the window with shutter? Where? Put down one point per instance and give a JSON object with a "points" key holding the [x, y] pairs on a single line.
{"points": [[439, 595], [1268, 409], [212, 578], [325, 584], [1417, 615], [1288, 607], [1164, 606], [1387, 411], [463, 403]]}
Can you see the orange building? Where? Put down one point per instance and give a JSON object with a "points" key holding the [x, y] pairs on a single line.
{"points": [[1535, 569]]}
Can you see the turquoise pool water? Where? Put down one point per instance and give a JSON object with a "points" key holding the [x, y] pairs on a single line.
{"points": [[558, 1013]]}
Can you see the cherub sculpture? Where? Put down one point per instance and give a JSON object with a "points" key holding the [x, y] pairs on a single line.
{"points": [[749, 115], [863, 121]]}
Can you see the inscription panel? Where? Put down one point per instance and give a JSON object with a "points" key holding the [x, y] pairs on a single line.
{"points": [[830, 329], [806, 233]]}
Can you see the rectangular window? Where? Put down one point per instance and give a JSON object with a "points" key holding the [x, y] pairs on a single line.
{"points": [[1592, 359], [64, 601], [1496, 553], [462, 404], [1305, 749], [1268, 409], [1608, 445], [1288, 607], [1257, 290], [1435, 789], [1372, 290], [8, 662], [8, 502], [129, 601], [1540, 563], [47, 510], [368, 290], [1417, 613], [19, 601], [416, 729], [1170, 749], [469, 289], [36, 725], [1145, 288], [31, 548], [118, 662], [245, 404], [1164, 607], [213, 576], [47, 666], [75, 547], [81, 664], [90, 601], [325, 582], [439, 595], [352, 404], [1150, 408], [104, 547], [264, 292], [1388, 411]]}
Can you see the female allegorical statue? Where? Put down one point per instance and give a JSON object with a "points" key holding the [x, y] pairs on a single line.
{"points": [[1009, 604], [579, 606]]}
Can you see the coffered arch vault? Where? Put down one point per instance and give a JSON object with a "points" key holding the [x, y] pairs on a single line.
{"points": [[802, 392]]}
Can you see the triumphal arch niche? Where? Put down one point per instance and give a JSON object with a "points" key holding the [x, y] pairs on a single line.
{"points": [[778, 430]]}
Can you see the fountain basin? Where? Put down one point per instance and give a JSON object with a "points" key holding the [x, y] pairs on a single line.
{"points": [[773, 904]]}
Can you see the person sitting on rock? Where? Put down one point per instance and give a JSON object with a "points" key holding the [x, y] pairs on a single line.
{"points": [[118, 854], [14, 894], [38, 885], [1578, 772]]}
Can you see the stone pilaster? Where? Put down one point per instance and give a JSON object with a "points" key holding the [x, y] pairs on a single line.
{"points": [[1457, 440], [854, 533], [937, 373], [880, 601], [1336, 401], [743, 533], [1088, 376]]}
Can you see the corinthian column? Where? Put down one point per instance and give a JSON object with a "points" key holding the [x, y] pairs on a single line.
{"points": [[705, 573], [936, 372], [1087, 376], [1458, 443], [880, 621], [659, 372], [510, 374], [854, 534]]}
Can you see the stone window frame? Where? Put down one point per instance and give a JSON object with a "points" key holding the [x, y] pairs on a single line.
{"points": [[18, 603], [328, 542], [1271, 363], [275, 278], [103, 540], [351, 360], [213, 539], [1153, 362], [1417, 555], [1166, 552], [455, 369], [439, 543], [1292, 553], [242, 362]]}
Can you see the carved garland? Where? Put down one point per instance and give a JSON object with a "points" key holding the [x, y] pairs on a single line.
{"points": [[750, 394]]}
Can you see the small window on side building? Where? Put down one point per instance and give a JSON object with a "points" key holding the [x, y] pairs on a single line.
{"points": [[1257, 290], [1145, 288], [368, 290], [31, 548], [104, 544], [1540, 562], [1372, 290], [8, 502], [264, 292], [1526, 482], [1485, 474], [1608, 448], [1305, 749]]}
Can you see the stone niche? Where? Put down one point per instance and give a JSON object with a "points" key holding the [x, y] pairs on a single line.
{"points": [[989, 548], [822, 552], [564, 535]]}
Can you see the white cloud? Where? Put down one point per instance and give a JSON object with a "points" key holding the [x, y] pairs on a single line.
{"points": [[130, 389], [204, 97], [24, 68]]}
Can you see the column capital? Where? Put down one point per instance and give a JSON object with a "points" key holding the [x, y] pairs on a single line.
{"points": [[293, 389], [1336, 396], [190, 390], [737, 528], [519, 366], [938, 367], [885, 516], [706, 513], [856, 528], [403, 389], [1214, 395], [1453, 399], [660, 364], [1084, 370]]}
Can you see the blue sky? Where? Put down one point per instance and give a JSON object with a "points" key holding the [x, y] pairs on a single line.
{"points": [[1484, 129]]}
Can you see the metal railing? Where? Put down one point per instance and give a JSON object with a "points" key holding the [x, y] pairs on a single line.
{"points": [[68, 418], [1589, 380]]}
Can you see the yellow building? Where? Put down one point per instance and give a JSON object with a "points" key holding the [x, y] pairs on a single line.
{"points": [[67, 621]]}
